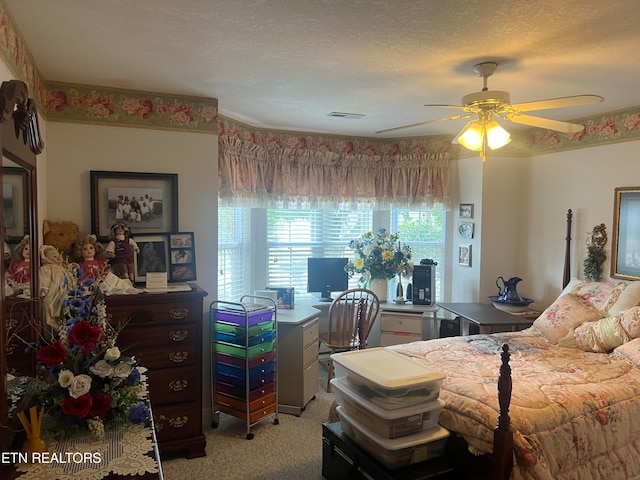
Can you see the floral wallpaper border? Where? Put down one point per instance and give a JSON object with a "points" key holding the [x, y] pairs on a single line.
{"points": [[111, 106]]}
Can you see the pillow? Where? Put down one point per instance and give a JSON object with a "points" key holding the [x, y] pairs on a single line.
{"points": [[629, 351], [601, 336], [630, 321], [563, 315], [608, 297]]}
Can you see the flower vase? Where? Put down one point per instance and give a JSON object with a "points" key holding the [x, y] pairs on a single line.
{"points": [[380, 287], [32, 427]]}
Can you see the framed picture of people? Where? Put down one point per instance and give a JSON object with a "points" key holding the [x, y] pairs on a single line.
{"points": [[182, 257]]}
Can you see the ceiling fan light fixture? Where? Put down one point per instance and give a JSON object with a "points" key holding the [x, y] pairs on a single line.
{"points": [[497, 137], [471, 136]]}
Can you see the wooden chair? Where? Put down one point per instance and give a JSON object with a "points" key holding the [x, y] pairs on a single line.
{"points": [[351, 316]]}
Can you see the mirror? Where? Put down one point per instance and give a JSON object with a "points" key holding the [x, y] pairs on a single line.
{"points": [[20, 139]]}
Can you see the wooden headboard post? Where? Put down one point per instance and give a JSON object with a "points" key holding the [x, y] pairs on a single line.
{"points": [[502, 434], [567, 252]]}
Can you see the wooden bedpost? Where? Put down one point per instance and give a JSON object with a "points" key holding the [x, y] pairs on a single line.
{"points": [[502, 434], [567, 252]]}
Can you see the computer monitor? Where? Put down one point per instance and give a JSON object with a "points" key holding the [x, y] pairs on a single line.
{"points": [[326, 275]]}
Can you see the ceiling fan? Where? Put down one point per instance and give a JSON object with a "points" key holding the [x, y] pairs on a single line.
{"points": [[488, 105]]}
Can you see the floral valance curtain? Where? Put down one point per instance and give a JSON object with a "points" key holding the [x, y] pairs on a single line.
{"points": [[254, 176]]}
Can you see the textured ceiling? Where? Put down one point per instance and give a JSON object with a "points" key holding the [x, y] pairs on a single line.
{"points": [[286, 64]]}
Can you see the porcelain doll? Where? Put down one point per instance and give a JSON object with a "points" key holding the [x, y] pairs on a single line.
{"points": [[55, 281], [120, 251], [91, 266], [20, 270]]}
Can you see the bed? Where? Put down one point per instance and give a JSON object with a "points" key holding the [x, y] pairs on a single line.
{"points": [[569, 406]]}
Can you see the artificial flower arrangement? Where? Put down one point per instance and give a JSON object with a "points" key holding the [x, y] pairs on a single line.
{"points": [[379, 255], [86, 381]]}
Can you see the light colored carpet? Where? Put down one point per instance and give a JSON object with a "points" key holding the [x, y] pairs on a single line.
{"points": [[291, 450]]}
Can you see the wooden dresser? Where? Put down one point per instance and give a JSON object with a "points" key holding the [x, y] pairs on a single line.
{"points": [[164, 332]]}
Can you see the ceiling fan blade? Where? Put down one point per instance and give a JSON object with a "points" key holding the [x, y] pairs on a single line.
{"points": [[455, 117], [547, 123], [573, 101], [444, 105]]}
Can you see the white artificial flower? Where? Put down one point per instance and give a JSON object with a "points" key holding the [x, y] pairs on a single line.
{"points": [[80, 385], [112, 354], [65, 377], [102, 369], [122, 370]]}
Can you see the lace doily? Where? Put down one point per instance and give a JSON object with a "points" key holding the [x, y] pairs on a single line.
{"points": [[122, 451]]}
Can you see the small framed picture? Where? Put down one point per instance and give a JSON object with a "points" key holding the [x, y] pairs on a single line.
{"points": [[182, 257], [466, 210], [464, 254], [465, 229], [153, 255]]}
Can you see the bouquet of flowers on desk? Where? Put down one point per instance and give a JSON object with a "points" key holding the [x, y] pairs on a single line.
{"points": [[379, 255], [87, 379]]}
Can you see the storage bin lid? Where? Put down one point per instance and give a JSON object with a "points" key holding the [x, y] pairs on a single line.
{"points": [[386, 368], [408, 441]]}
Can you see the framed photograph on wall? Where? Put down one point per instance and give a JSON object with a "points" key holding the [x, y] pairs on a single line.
{"points": [[465, 229], [466, 210], [625, 255], [147, 202], [15, 189], [464, 254], [182, 257], [153, 255]]}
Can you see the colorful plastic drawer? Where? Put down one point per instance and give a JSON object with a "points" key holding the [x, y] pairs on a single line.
{"points": [[244, 352], [242, 362], [240, 372], [240, 404], [237, 317], [242, 340], [234, 329], [239, 392], [254, 382], [253, 416]]}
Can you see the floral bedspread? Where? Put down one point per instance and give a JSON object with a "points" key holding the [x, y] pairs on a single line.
{"points": [[575, 415]]}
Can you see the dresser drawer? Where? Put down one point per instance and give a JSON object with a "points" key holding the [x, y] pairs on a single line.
{"points": [[156, 357], [183, 420], [401, 323], [162, 336], [155, 313], [172, 385]]}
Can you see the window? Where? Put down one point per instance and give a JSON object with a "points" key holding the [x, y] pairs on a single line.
{"points": [[295, 235], [234, 259], [425, 232], [269, 247]]}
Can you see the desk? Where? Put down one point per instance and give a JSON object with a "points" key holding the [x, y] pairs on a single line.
{"points": [[485, 316], [297, 358]]}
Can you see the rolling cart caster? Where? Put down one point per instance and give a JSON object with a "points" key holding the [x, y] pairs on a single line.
{"points": [[214, 424], [249, 436], [276, 421]]}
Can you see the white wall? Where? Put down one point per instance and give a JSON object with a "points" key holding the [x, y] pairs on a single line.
{"points": [[521, 209], [75, 149]]}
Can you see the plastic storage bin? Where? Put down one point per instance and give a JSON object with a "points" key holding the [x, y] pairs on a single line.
{"points": [[396, 452], [387, 423], [255, 315], [387, 378]]}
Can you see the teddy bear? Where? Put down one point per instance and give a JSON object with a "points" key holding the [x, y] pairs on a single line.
{"points": [[62, 235]]}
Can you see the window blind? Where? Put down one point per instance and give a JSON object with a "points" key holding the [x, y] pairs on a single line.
{"points": [[234, 258]]}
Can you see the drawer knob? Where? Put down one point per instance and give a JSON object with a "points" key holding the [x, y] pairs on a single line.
{"points": [[178, 335], [177, 422], [178, 313], [178, 357], [178, 385]]}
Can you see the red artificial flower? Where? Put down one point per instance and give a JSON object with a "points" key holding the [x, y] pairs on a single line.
{"points": [[78, 407], [53, 354], [100, 406], [85, 335]]}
